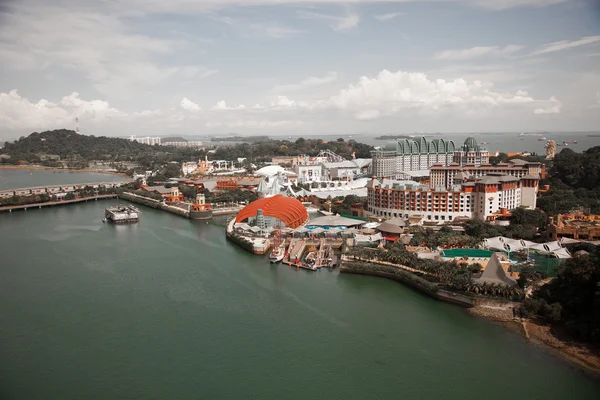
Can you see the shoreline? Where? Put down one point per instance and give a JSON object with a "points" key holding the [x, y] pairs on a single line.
{"points": [[42, 168], [580, 355]]}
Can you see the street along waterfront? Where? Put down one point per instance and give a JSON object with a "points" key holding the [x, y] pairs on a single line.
{"points": [[166, 308]]}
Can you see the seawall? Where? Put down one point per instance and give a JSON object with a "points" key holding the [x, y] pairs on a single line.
{"points": [[492, 308], [148, 202]]}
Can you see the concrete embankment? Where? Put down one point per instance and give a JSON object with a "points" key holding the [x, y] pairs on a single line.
{"points": [[496, 309], [148, 202]]}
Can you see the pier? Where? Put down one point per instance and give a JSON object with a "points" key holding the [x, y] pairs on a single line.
{"points": [[57, 189], [24, 207]]}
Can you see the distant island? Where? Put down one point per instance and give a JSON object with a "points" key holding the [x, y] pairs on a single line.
{"points": [[174, 139], [247, 139], [393, 137]]}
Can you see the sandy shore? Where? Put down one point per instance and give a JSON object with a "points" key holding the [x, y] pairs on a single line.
{"points": [[555, 340], [42, 168], [582, 354]]}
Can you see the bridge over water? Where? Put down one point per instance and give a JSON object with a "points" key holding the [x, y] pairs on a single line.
{"points": [[57, 189]]}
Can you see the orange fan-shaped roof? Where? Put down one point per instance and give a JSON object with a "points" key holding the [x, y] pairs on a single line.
{"points": [[290, 211]]}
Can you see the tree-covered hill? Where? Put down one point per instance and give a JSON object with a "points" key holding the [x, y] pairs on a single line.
{"points": [[574, 180], [70, 146], [263, 151]]}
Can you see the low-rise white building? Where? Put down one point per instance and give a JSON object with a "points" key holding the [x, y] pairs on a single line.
{"points": [[145, 140]]}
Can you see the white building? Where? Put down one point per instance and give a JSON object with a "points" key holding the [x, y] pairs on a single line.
{"points": [[189, 143], [471, 153], [309, 173], [396, 159], [145, 140], [441, 175], [483, 198], [345, 170], [188, 167]]}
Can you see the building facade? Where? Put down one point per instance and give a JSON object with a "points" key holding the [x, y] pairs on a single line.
{"points": [[484, 198], [308, 173], [397, 158], [145, 140], [471, 153], [189, 143], [576, 225], [440, 175]]}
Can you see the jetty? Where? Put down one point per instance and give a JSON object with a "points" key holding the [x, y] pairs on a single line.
{"points": [[24, 207]]}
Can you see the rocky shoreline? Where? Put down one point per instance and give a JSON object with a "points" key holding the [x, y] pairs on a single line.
{"points": [[581, 355]]}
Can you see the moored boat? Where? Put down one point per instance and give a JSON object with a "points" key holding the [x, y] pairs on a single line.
{"points": [[277, 254]]}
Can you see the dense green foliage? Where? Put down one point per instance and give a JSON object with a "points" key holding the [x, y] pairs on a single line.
{"points": [[173, 139], [243, 139], [573, 298], [264, 151], [574, 180], [76, 151], [448, 274]]}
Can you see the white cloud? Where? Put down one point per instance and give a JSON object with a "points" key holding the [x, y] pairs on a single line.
{"points": [[222, 105], [553, 107], [566, 44], [18, 113], [387, 17], [339, 23], [213, 5], [368, 114], [189, 105], [393, 92], [478, 51], [253, 124], [308, 82], [273, 31], [101, 47], [147, 113]]}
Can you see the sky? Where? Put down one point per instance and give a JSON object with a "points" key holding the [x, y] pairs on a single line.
{"points": [[293, 67]]}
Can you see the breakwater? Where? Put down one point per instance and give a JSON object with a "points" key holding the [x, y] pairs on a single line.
{"points": [[494, 308], [156, 204]]}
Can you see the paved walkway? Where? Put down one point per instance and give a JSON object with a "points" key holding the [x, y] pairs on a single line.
{"points": [[57, 203]]}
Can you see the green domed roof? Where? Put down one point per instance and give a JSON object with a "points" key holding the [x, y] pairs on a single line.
{"points": [[470, 144]]}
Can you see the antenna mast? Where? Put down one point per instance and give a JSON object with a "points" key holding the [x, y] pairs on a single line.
{"points": [[77, 127]]}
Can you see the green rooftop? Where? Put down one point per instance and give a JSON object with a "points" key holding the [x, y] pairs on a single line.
{"points": [[472, 253]]}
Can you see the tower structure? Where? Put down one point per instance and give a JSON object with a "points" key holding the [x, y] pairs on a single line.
{"points": [[77, 125]]}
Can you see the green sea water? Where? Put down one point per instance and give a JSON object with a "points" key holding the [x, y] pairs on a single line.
{"points": [[167, 309]]}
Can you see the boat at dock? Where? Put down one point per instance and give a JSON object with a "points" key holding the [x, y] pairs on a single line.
{"points": [[277, 254], [310, 261], [122, 214]]}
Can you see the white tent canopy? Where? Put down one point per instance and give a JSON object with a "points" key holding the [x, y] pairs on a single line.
{"points": [[508, 244]]}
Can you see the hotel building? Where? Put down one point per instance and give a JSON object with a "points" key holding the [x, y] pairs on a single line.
{"points": [[471, 153], [397, 159], [440, 175], [480, 198]]}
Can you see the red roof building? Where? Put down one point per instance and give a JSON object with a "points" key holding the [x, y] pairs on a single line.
{"points": [[286, 209]]}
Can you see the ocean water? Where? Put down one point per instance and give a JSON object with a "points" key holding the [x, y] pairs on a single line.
{"points": [[17, 178], [168, 309]]}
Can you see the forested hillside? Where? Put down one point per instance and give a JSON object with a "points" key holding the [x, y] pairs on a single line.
{"points": [[263, 151], [70, 146], [574, 179]]}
